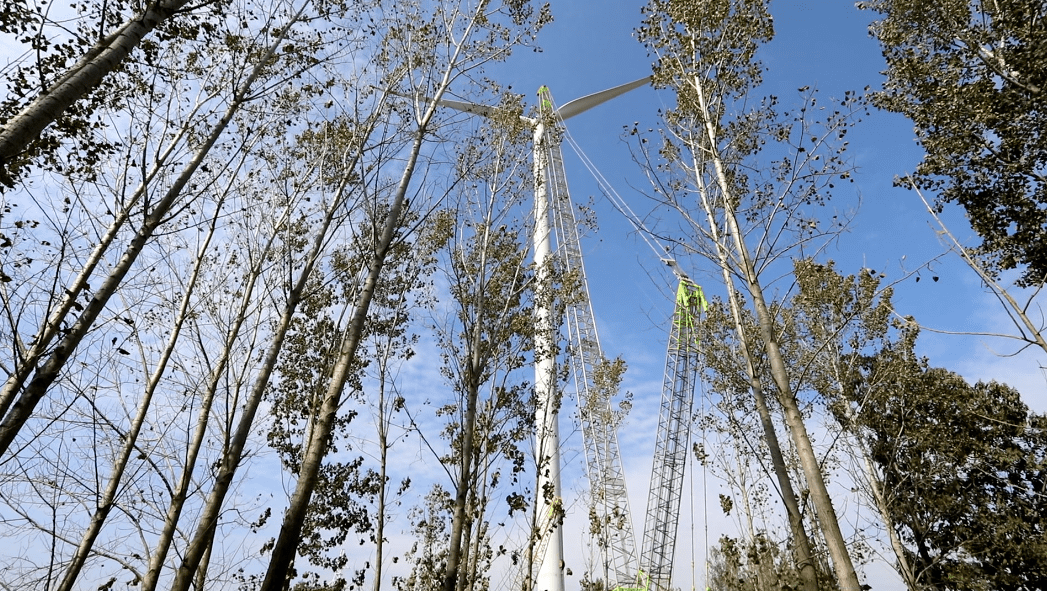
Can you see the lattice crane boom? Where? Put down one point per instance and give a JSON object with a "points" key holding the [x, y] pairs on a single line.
{"points": [[673, 438], [610, 520]]}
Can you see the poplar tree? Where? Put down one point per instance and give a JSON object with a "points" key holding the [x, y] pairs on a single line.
{"points": [[972, 77], [745, 181], [486, 336], [436, 48]]}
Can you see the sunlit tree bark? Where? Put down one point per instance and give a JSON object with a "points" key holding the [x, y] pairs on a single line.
{"points": [[706, 54], [25, 393]]}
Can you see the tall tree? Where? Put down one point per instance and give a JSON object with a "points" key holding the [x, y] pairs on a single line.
{"points": [[486, 336], [834, 323], [730, 373], [436, 49], [335, 175], [972, 77], [101, 264], [345, 483], [964, 472], [743, 179]]}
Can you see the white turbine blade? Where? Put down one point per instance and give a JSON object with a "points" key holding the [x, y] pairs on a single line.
{"points": [[585, 103], [474, 108]]}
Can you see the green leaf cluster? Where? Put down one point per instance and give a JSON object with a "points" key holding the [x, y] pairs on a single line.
{"points": [[963, 470], [758, 564], [972, 77]]}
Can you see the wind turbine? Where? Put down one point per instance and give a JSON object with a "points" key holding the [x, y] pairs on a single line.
{"points": [[602, 456]]}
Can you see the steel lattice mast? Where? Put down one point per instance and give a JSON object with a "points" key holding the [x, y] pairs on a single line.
{"points": [[671, 445]]}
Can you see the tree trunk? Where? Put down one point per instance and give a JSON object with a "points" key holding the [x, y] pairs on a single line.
{"points": [[234, 453], [846, 576], [106, 502], [22, 408], [290, 530], [104, 57], [802, 544], [845, 573], [461, 498]]}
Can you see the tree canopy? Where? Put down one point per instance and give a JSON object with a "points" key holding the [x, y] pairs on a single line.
{"points": [[972, 77], [963, 469]]}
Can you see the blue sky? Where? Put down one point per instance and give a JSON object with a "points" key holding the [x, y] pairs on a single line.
{"points": [[823, 44]]}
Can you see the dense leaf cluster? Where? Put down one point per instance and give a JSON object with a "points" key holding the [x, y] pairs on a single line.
{"points": [[972, 76], [964, 471], [759, 564]]}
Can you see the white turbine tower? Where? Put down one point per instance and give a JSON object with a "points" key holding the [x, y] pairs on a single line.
{"points": [[602, 458]]}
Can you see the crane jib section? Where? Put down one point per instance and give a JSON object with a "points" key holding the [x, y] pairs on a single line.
{"points": [[673, 439]]}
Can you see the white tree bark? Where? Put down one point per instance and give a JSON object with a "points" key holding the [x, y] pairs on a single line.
{"points": [[233, 455], [26, 399], [87, 73]]}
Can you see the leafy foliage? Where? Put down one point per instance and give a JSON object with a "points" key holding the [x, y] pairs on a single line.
{"points": [[972, 76], [339, 505], [759, 564], [428, 553], [485, 334], [964, 471], [75, 140], [961, 468]]}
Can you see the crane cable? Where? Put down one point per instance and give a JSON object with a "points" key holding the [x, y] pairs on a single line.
{"points": [[705, 477], [703, 459], [660, 251], [616, 200]]}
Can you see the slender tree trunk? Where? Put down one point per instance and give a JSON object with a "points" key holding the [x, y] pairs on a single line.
{"points": [[476, 521], [386, 409], [455, 551], [379, 528], [876, 488], [1031, 332], [200, 582], [903, 567], [106, 502], [846, 575], [234, 454], [474, 368], [104, 57], [801, 543], [21, 410], [845, 572]]}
